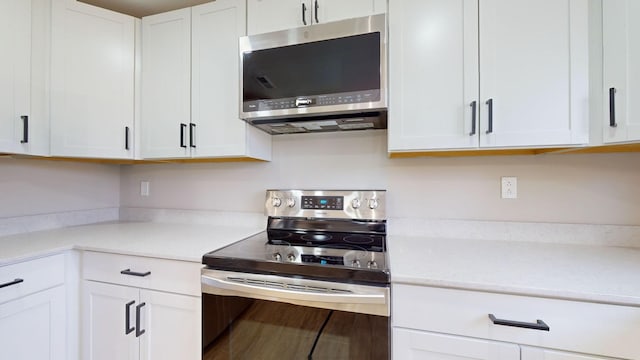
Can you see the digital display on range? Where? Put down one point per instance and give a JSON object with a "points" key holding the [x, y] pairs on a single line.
{"points": [[323, 259], [323, 202]]}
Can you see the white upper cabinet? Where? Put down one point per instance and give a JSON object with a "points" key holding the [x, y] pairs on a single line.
{"points": [[190, 85], [433, 81], [215, 87], [24, 68], [92, 81], [273, 15], [528, 83], [166, 84], [15, 45], [534, 88], [621, 37]]}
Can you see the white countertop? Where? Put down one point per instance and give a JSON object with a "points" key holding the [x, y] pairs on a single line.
{"points": [[580, 272], [606, 274], [186, 242]]}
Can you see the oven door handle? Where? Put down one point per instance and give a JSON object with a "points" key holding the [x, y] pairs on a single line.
{"points": [[264, 292]]}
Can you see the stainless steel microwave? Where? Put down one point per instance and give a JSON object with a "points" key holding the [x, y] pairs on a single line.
{"points": [[318, 78]]}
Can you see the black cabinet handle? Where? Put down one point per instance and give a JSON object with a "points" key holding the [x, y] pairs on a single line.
{"points": [[538, 325], [183, 127], [304, 13], [25, 129], [126, 138], [490, 105], [474, 104], [127, 317], [133, 273], [316, 11], [14, 282], [138, 331], [192, 135], [612, 107]]}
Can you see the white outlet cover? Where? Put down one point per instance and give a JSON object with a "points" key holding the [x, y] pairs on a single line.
{"points": [[144, 188], [509, 187]]}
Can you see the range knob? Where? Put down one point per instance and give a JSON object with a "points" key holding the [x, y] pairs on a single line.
{"points": [[276, 202], [291, 202], [373, 204], [372, 265], [277, 257], [355, 203], [355, 263], [291, 257]]}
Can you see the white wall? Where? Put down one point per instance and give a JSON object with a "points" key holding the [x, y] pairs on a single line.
{"points": [[600, 189], [33, 187]]}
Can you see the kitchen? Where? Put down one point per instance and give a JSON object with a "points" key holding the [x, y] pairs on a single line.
{"points": [[452, 197]]}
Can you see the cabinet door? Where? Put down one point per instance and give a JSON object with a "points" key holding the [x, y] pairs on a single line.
{"points": [[333, 10], [531, 353], [172, 326], [534, 69], [422, 345], [104, 309], [273, 15], [92, 81], [34, 326], [433, 80], [215, 85], [166, 84], [15, 46], [621, 37]]}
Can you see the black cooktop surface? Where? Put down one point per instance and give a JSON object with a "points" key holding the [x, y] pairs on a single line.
{"points": [[321, 254]]}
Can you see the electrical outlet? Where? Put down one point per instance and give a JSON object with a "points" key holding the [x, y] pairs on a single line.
{"points": [[509, 187], [144, 188]]}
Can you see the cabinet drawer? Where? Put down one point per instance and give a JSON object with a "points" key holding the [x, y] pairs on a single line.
{"points": [[181, 277], [601, 329], [31, 276]]}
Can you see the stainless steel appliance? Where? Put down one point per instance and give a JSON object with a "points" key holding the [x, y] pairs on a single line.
{"points": [[326, 77], [314, 285]]}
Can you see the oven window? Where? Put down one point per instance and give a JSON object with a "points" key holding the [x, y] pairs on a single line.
{"points": [[239, 328]]}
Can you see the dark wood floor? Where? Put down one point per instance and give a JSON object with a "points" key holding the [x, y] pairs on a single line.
{"points": [[271, 330]]}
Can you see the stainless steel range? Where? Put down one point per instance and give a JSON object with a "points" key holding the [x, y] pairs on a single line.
{"points": [[313, 285]]}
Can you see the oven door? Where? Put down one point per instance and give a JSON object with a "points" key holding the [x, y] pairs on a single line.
{"points": [[253, 316]]}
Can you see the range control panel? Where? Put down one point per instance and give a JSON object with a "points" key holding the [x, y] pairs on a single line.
{"points": [[323, 202], [336, 204]]}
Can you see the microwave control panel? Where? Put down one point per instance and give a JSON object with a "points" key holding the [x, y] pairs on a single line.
{"points": [[355, 97]]}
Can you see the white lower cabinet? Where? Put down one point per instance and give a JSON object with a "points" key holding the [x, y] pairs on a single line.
{"points": [[33, 327], [33, 310], [126, 317], [531, 353], [440, 323], [422, 345]]}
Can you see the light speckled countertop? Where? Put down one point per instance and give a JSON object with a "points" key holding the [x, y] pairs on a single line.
{"points": [[606, 274], [580, 272], [186, 242]]}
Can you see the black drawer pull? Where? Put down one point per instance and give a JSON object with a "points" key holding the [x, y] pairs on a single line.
{"points": [[14, 282], [127, 317], [489, 103], [538, 325], [138, 330], [304, 14], [612, 107], [133, 273], [183, 127], [25, 129], [473, 118], [192, 135], [126, 138]]}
